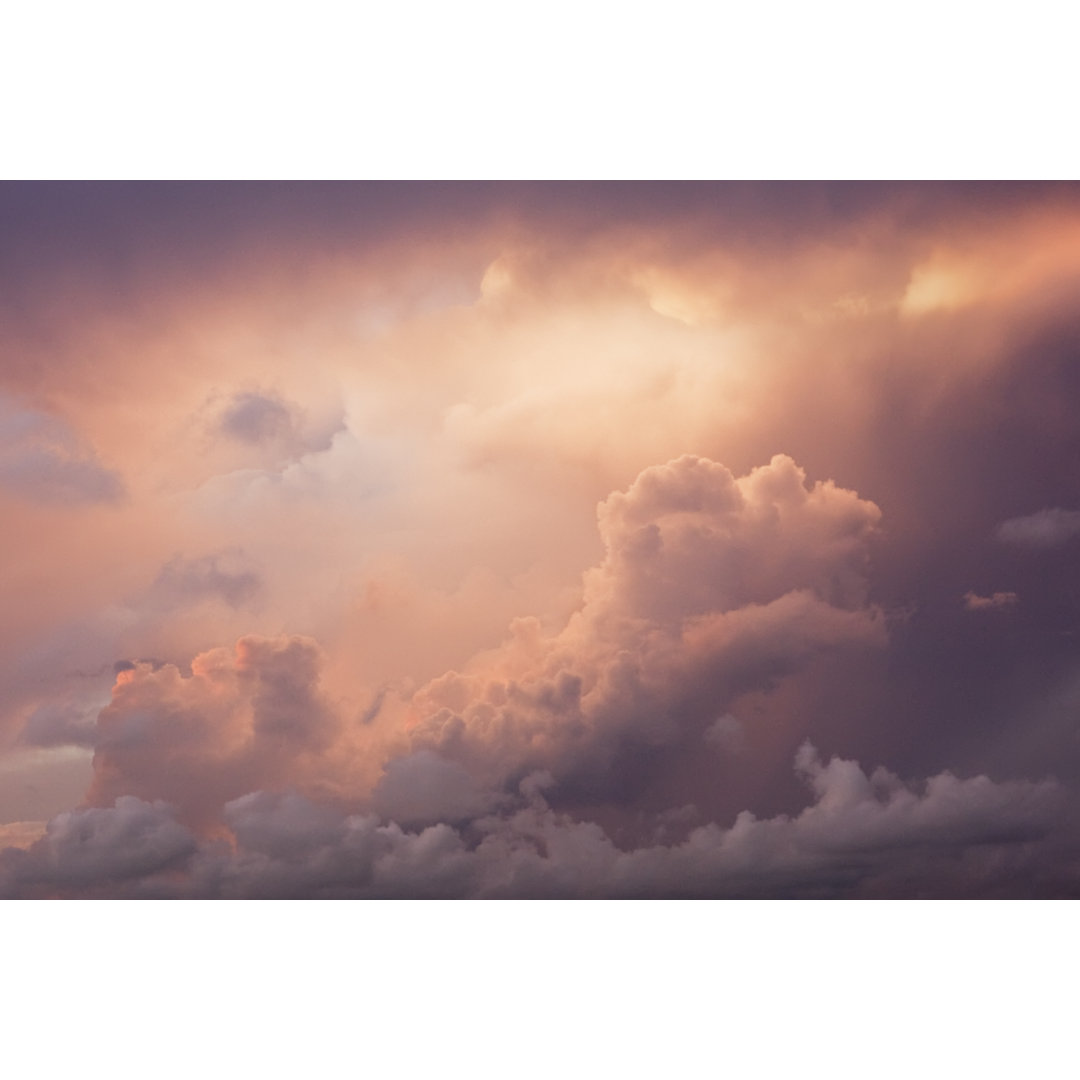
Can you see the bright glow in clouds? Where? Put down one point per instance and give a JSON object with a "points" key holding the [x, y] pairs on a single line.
{"points": [[523, 540]]}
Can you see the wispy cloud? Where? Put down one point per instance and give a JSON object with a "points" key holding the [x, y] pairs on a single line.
{"points": [[1045, 529], [974, 602]]}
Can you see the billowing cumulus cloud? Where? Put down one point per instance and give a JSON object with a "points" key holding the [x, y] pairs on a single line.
{"points": [[242, 719], [861, 834], [840, 845], [513, 539], [710, 587], [95, 850]]}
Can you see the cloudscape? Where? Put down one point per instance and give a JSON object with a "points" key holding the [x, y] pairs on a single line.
{"points": [[629, 540]]}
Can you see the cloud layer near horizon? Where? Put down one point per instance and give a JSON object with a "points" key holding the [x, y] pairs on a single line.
{"points": [[515, 540]]}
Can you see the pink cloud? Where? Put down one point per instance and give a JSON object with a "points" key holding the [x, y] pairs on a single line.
{"points": [[995, 601]]}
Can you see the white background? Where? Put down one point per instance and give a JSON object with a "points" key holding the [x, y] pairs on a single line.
{"points": [[538, 990], [569, 88]]}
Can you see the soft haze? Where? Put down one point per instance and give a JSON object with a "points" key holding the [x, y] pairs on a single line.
{"points": [[555, 540]]}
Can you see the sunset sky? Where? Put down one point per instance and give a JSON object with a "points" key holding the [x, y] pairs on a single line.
{"points": [[540, 540]]}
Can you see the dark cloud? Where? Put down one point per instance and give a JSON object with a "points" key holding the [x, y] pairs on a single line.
{"points": [[78, 250], [272, 431], [195, 221], [256, 418], [98, 850], [862, 834]]}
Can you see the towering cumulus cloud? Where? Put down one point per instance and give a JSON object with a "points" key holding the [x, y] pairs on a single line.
{"points": [[244, 718], [539, 541], [710, 588]]}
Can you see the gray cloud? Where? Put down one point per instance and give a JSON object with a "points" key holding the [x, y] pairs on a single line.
{"points": [[424, 788], [725, 734], [274, 426], [96, 849], [59, 725], [226, 575], [1046, 529], [257, 418], [995, 601], [859, 827], [42, 460], [863, 833]]}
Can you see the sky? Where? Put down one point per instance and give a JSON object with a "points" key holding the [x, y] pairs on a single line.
{"points": [[409, 540]]}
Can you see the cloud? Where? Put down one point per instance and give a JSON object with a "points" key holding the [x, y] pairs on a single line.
{"points": [[998, 600], [244, 718], [914, 343], [863, 833], [42, 460], [858, 827], [725, 734], [55, 724], [20, 834], [688, 538], [223, 575], [424, 789], [270, 424], [710, 587], [255, 418], [95, 849], [1045, 529]]}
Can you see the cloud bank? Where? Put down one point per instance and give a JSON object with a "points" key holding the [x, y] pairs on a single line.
{"points": [[863, 835]]}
